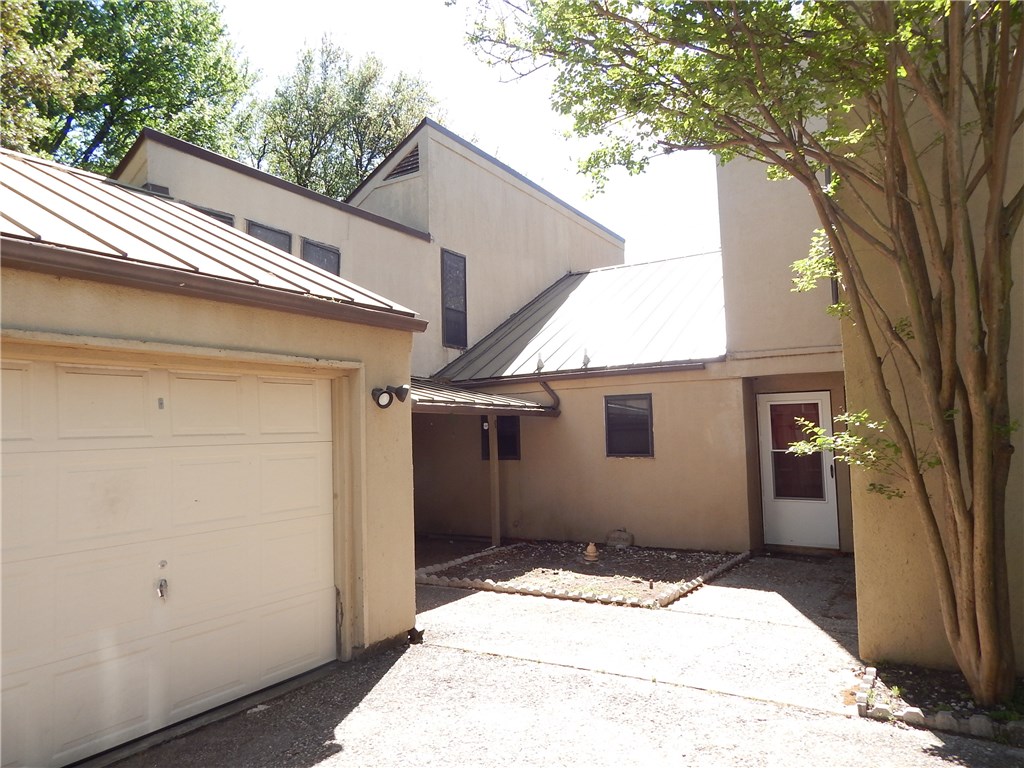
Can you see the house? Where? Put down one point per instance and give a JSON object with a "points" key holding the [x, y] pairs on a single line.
{"points": [[469, 243], [439, 226], [200, 498]]}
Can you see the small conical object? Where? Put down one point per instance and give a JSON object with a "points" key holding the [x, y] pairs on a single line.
{"points": [[591, 554]]}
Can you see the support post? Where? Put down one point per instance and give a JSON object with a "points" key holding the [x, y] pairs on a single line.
{"points": [[492, 442]]}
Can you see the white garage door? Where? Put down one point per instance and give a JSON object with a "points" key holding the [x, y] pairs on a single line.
{"points": [[167, 547]]}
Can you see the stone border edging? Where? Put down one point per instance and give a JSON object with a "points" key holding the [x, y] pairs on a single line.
{"points": [[979, 726], [665, 597]]}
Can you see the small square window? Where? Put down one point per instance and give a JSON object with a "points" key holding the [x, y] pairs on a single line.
{"points": [[221, 216], [629, 425], [275, 237], [327, 257], [508, 438]]}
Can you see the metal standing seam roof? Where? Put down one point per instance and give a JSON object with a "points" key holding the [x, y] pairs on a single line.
{"points": [[435, 397], [127, 231], [623, 317]]}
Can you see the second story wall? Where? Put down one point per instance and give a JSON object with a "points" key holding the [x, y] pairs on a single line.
{"points": [[517, 239], [766, 226]]}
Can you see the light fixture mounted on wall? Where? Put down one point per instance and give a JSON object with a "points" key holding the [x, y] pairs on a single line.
{"points": [[383, 397]]}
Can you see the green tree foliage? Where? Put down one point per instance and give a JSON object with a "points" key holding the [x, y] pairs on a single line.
{"points": [[900, 120], [330, 122], [50, 75], [167, 65]]}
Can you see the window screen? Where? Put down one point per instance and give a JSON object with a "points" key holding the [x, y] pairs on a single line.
{"points": [[628, 422], [508, 438], [275, 237], [453, 300], [327, 257]]}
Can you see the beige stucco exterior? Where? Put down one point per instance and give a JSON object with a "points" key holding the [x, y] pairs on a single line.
{"points": [[49, 316], [898, 612], [516, 238]]}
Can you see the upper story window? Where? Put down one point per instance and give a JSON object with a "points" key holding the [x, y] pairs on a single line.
{"points": [[327, 257], [221, 216], [629, 425], [453, 300], [275, 237], [508, 438]]}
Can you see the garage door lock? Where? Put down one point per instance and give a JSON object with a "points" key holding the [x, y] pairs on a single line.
{"points": [[161, 588]]}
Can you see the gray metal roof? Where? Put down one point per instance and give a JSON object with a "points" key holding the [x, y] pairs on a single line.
{"points": [[435, 397], [632, 316], [65, 220]]}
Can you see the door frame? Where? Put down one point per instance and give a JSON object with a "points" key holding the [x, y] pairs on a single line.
{"points": [[787, 526]]}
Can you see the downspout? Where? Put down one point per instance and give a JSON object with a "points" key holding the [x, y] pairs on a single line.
{"points": [[556, 401]]}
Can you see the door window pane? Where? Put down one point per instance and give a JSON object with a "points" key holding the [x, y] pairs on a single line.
{"points": [[796, 477]]}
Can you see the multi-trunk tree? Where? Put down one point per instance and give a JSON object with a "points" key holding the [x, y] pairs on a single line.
{"points": [[901, 120]]}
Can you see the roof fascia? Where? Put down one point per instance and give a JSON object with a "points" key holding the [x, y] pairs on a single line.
{"points": [[150, 134], [482, 410], [591, 373], [67, 262]]}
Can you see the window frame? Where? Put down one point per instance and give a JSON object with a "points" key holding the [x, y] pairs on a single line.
{"points": [[306, 241], [460, 341], [249, 224], [228, 219], [608, 426], [510, 428]]}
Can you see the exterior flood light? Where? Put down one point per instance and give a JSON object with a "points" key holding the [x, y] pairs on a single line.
{"points": [[383, 397]]}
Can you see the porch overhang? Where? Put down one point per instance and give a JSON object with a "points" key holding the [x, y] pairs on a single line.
{"points": [[433, 397]]}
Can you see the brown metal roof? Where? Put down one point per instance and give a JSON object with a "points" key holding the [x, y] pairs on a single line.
{"points": [[67, 221], [435, 397], [657, 314]]}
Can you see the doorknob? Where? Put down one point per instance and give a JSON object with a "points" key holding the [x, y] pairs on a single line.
{"points": [[161, 588]]}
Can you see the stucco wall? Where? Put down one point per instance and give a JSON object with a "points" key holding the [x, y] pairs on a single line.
{"points": [[898, 610], [766, 226], [376, 457], [691, 494], [517, 240]]}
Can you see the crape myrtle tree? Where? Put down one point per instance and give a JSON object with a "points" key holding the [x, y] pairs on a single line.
{"points": [[899, 120], [331, 121], [166, 65]]}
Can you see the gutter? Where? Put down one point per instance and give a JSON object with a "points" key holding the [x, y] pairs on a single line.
{"points": [[623, 370], [67, 262]]}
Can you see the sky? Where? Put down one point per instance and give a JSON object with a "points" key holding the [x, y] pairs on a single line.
{"points": [[670, 210]]}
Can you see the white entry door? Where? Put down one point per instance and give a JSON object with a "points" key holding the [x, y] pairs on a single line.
{"points": [[798, 492]]}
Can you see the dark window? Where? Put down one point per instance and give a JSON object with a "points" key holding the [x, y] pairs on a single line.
{"points": [[275, 237], [628, 424], [221, 216], [453, 300], [327, 257], [508, 438]]}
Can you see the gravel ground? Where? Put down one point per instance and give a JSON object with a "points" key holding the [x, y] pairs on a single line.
{"points": [[738, 674]]}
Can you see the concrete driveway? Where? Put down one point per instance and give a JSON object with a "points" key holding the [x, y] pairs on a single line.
{"points": [[753, 670]]}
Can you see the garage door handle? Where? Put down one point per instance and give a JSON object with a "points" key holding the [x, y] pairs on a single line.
{"points": [[161, 588]]}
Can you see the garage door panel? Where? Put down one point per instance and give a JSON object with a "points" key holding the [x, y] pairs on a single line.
{"points": [[108, 498], [104, 402], [100, 702], [22, 725], [295, 480], [207, 404], [295, 557], [295, 637], [101, 602], [210, 575], [209, 665], [211, 488], [292, 406], [23, 486], [16, 402], [28, 618]]}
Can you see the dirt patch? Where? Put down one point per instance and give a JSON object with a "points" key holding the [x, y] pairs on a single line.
{"points": [[936, 690], [631, 573]]}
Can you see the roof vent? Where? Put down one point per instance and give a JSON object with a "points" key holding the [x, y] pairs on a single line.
{"points": [[408, 164]]}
